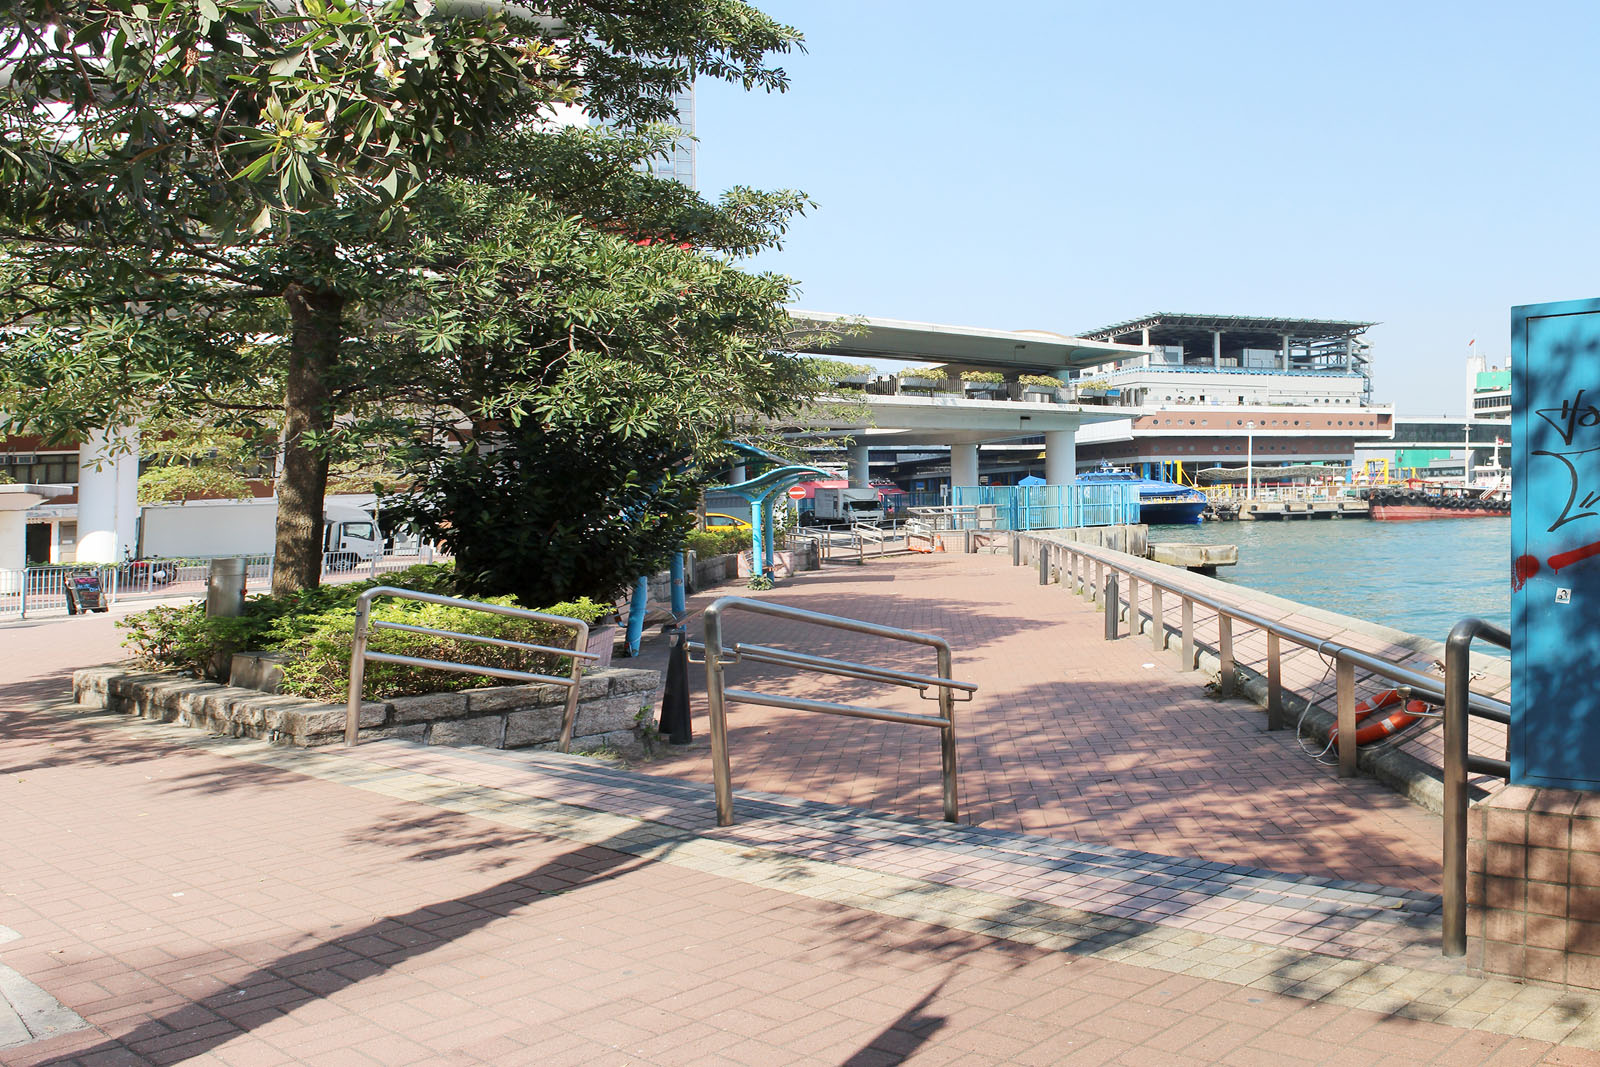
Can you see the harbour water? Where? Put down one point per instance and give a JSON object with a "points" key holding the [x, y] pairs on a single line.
{"points": [[1421, 577]]}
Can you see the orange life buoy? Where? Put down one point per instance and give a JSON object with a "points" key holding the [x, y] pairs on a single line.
{"points": [[1397, 720]]}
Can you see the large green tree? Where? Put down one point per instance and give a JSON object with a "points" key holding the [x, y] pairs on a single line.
{"points": [[228, 207]]}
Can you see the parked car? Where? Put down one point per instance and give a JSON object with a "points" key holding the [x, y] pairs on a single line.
{"points": [[716, 520]]}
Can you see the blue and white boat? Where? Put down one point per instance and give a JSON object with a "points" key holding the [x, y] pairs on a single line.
{"points": [[1160, 502]]}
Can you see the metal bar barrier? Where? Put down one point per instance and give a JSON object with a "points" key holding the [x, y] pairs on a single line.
{"points": [[1453, 692], [719, 654], [359, 655], [1457, 762]]}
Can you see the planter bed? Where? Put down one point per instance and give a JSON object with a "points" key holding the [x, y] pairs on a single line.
{"points": [[510, 716]]}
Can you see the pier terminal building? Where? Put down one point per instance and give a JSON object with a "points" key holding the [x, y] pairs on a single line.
{"points": [[1203, 391]]}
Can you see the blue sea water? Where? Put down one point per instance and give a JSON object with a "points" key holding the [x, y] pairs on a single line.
{"points": [[1421, 577]]}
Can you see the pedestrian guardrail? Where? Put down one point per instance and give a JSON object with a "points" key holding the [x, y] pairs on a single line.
{"points": [[361, 655], [717, 655], [41, 590], [1102, 575]]}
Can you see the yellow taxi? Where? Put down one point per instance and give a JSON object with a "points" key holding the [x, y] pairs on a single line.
{"points": [[716, 520]]}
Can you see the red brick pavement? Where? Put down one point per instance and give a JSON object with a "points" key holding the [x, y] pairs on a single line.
{"points": [[193, 906], [1069, 736]]}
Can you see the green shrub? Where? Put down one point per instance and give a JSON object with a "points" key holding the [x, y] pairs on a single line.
{"points": [[317, 664], [921, 372], [1042, 380], [983, 377], [184, 638], [708, 543]]}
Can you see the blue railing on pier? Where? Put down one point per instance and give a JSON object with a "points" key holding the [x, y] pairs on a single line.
{"points": [[1053, 507]]}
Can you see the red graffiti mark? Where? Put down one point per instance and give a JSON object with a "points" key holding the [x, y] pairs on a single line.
{"points": [[1522, 568], [1567, 559]]}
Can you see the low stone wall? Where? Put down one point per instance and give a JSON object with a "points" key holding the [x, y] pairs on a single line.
{"points": [[511, 716]]}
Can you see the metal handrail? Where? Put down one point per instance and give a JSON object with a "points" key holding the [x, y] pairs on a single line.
{"points": [[360, 655], [1457, 763], [1346, 659], [1455, 693], [718, 655]]}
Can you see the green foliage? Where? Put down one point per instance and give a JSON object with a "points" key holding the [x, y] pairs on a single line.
{"points": [[349, 222], [183, 483], [830, 371], [185, 638], [1042, 380], [318, 664], [983, 377], [707, 543], [931, 373], [314, 628], [759, 583]]}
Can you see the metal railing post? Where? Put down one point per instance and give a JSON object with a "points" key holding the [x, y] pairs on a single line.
{"points": [[1457, 660], [1158, 620], [1187, 644], [358, 670], [1133, 605], [947, 736], [1044, 564], [1274, 683], [1225, 655], [1345, 675], [717, 714], [1092, 588], [1112, 608]]}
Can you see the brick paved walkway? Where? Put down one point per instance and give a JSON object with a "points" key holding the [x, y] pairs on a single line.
{"points": [[181, 897], [1069, 736], [216, 899]]}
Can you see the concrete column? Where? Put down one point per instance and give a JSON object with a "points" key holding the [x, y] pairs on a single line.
{"points": [[1060, 457], [739, 474], [1216, 349], [860, 473], [105, 494], [13, 549], [128, 496], [1144, 336], [1284, 355], [963, 465]]}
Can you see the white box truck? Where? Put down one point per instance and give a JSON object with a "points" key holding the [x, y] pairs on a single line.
{"points": [[203, 529], [833, 506]]}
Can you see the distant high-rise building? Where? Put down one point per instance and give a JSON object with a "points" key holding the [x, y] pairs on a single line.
{"points": [[679, 163]]}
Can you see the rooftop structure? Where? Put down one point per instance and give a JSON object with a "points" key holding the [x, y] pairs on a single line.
{"points": [[1247, 344], [960, 347]]}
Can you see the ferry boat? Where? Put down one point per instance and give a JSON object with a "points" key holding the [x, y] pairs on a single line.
{"points": [[1161, 503]]}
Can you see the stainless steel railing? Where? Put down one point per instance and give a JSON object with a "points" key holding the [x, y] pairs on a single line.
{"points": [[718, 655], [1089, 566], [1073, 563], [360, 655], [1458, 762]]}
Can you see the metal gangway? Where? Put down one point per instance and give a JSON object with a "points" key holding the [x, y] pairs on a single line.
{"points": [[717, 653]]}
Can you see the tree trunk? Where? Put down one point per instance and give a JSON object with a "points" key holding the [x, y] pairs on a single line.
{"points": [[313, 351]]}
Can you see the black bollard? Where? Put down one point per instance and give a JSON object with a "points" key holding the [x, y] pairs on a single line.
{"points": [[675, 723]]}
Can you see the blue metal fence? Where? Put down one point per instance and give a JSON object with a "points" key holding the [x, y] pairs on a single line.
{"points": [[1053, 507]]}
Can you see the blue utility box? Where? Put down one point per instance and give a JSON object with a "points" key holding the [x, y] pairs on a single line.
{"points": [[1555, 544]]}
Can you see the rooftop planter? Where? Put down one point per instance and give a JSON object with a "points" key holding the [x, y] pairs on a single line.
{"points": [[1040, 388], [919, 380], [982, 382], [844, 375]]}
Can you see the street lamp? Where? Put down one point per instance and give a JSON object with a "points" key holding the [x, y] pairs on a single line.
{"points": [[1250, 460]]}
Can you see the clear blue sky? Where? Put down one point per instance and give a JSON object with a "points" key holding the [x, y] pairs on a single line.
{"points": [[1068, 165]]}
